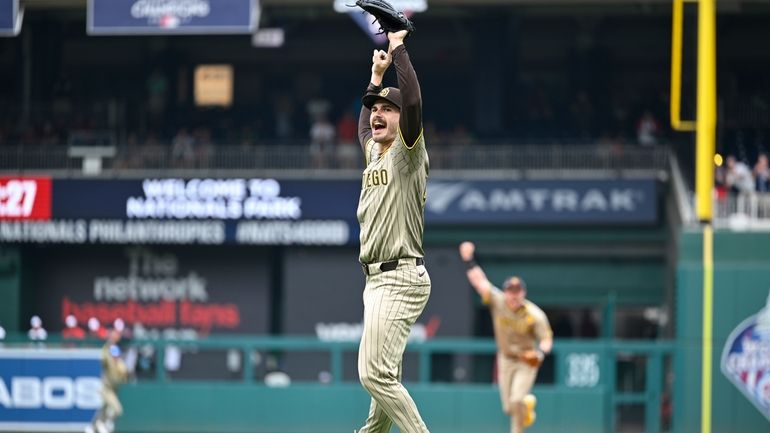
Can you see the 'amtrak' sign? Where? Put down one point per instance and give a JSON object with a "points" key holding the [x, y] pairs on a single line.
{"points": [[538, 202], [131, 17], [746, 359]]}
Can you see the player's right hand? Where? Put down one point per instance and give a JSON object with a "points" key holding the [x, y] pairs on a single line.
{"points": [[467, 249], [380, 61]]}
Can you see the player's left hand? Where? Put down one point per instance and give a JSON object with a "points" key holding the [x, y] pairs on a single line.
{"points": [[533, 357], [396, 39]]}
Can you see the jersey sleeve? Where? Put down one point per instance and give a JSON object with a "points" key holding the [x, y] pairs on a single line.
{"points": [[495, 298], [542, 328], [410, 123]]}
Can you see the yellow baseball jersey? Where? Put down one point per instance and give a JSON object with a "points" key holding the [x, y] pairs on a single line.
{"points": [[392, 202], [519, 330]]}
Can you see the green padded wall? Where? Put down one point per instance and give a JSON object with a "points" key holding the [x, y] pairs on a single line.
{"points": [[741, 288], [241, 408]]}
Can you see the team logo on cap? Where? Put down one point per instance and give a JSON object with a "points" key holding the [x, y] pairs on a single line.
{"points": [[745, 359], [384, 92]]}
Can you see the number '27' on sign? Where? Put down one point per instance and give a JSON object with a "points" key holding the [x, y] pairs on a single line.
{"points": [[27, 198]]}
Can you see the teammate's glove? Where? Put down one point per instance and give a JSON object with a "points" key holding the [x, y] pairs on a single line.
{"points": [[387, 16], [533, 357]]}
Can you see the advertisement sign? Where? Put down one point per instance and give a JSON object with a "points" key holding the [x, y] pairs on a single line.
{"points": [[160, 291], [453, 202], [267, 211], [336, 311], [122, 232], [11, 16], [205, 211], [746, 359], [257, 199], [49, 390], [538, 202], [25, 198], [135, 17], [322, 297]]}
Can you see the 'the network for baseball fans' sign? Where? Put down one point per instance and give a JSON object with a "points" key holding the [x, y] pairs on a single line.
{"points": [[10, 17], [128, 17], [174, 292], [48, 389], [746, 359]]}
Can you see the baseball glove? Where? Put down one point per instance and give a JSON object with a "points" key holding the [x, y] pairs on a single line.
{"points": [[532, 357], [387, 16]]}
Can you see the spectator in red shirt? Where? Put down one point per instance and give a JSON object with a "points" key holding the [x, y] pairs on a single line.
{"points": [[95, 329], [72, 330]]}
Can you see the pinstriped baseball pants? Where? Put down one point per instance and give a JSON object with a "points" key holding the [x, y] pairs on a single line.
{"points": [[393, 301], [516, 379]]}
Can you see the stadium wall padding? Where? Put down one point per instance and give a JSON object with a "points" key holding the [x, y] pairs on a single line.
{"points": [[242, 408], [741, 289]]}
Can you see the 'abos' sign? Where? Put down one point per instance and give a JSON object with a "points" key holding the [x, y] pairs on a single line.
{"points": [[56, 392], [49, 389]]}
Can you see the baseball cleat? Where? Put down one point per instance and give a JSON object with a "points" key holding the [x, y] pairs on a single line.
{"points": [[101, 427], [530, 401]]}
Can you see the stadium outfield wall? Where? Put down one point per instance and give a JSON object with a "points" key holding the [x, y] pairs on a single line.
{"points": [[741, 333]]}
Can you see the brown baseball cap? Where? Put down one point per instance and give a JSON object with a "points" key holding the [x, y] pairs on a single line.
{"points": [[390, 94], [514, 284]]}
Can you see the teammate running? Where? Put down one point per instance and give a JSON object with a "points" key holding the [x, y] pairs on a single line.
{"points": [[523, 337]]}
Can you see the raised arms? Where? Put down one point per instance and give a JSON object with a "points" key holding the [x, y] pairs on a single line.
{"points": [[411, 98], [475, 274], [410, 118], [380, 63]]}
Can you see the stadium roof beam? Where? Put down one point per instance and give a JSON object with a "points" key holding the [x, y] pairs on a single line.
{"points": [[735, 4], [56, 4]]}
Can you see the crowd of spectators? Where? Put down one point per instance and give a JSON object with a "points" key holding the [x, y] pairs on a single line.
{"points": [[737, 177], [156, 135]]}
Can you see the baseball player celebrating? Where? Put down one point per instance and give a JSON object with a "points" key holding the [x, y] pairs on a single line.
{"points": [[114, 373], [390, 212], [523, 336]]}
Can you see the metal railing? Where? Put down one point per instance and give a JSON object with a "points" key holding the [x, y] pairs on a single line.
{"points": [[587, 159], [746, 211], [754, 205]]}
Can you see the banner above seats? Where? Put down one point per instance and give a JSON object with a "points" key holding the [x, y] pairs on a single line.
{"points": [[11, 15], [158, 17]]}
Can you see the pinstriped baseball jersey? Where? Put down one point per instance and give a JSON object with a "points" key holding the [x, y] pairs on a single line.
{"points": [[392, 201], [516, 331]]}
